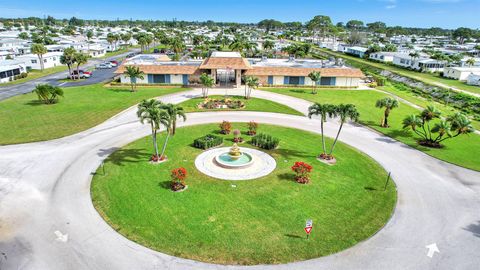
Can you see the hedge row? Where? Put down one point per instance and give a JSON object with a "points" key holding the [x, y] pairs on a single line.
{"points": [[207, 141]]}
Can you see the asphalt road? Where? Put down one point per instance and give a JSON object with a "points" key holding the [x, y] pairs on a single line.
{"points": [[99, 75], [48, 220]]}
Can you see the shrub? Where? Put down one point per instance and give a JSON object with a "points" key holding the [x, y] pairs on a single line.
{"points": [[252, 128], [178, 176], [236, 136], [265, 141], [208, 141], [225, 127], [302, 172]]}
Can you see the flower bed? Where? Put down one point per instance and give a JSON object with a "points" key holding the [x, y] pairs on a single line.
{"points": [[226, 103], [208, 141]]}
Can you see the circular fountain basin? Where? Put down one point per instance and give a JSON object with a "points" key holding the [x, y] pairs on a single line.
{"points": [[225, 160]]}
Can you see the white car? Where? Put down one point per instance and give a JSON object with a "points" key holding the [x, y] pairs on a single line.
{"points": [[104, 66]]}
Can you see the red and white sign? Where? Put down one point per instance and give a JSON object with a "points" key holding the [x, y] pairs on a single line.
{"points": [[308, 230]]}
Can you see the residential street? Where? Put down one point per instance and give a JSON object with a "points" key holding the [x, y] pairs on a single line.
{"points": [[49, 222], [99, 75]]}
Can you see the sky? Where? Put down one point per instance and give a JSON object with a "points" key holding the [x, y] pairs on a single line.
{"points": [[412, 13]]}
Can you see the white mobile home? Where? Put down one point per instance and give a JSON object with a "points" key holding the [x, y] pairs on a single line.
{"points": [[9, 69], [460, 73], [51, 59]]}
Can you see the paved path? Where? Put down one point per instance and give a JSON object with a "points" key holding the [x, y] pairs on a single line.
{"points": [[99, 75], [48, 221]]}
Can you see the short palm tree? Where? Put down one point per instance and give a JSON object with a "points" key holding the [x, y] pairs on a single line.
{"points": [[48, 93], [315, 76], [388, 104], [470, 62], [345, 112], [268, 45], [207, 82], [322, 110], [175, 112], [151, 112], [39, 50], [80, 59], [250, 83], [133, 73]]}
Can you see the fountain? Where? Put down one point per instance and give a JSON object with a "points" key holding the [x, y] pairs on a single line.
{"points": [[234, 158]]}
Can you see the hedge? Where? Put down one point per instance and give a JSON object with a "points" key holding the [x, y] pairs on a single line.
{"points": [[208, 141], [265, 141]]}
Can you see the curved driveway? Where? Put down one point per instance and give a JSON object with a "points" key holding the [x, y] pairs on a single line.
{"points": [[48, 220]]}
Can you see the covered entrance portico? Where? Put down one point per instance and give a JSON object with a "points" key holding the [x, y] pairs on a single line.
{"points": [[226, 68]]}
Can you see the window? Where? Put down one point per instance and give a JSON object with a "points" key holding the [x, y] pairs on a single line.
{"points": [[3, 75], [158, 78], [328, 80], [34, 61], [294, 80], [16, 71], [44, 60]]}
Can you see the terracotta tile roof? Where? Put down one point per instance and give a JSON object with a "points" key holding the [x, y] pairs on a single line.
{"points": [[162, 69], [225, 62], [293, 71]]}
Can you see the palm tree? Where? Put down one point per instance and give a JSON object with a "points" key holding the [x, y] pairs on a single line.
{"points": [[322, 110], [175, 112], [470, 62], [151, 112], [89, 36], [388, 104], [133, 73], [80, 59], [238, 44], [39, 50], [68, 58], [345, 112], [48, 93], [268, 45], [250, 83], [414, 55], [207, 82], [315, 76]]}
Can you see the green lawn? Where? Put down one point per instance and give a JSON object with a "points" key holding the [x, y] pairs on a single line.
{"points": [[35, 74], [25, 119], [252, 104], [458, 150], [258, 221], [424, 77]]}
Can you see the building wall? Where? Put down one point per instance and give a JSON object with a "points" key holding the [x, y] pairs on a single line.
{"points": [[126, 79]]}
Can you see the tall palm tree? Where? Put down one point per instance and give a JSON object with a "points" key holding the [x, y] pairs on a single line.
{"points": [[39, 50], [268, 45], [250, 83], [80, 59], [175, 112], [427, 115], [133, 73], [315, 76], [322, 110], [345, 112], [207, 82], [151, 112], [388, 104]]}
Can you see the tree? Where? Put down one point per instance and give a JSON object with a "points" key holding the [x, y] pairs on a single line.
{"points": [[80, 59], [68, 58], [151, 112], [207, 82], [451, 127], [23, 35], [175, 112], [322, 110], [268, 45], [345, 112], [315, 76], [177, 45], [250, 83], [470, 62], [319, 23], [89, 35], [354, 24], [377, 27], [48, 93], [388, 104], [133, 73], [126, 38], [462, 33], [39, 50]]}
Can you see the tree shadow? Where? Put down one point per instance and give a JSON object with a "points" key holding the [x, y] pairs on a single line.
{"points": [[291, 154], [287, 176], [36, 103], [370, 188], [165, 184], [300, 91], [122, 90], [474, 228], [122, 156], [293, 236]]}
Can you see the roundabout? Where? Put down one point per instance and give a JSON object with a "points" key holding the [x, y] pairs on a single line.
{"points": [[49, 222]]}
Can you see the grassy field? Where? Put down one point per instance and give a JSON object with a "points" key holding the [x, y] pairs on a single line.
{"points": [[458, 150], [25, 119], [257, 221], [252, 104], [35, 74], [433, 79]]}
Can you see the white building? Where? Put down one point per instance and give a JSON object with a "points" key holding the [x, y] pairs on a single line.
{"points": [[386, 57], [473, 79], [460, 73], [11, 68], [357, 51], [51, 59], [419, 64]]}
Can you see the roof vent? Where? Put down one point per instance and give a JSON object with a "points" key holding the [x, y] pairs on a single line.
{"points": [[291, 58]]}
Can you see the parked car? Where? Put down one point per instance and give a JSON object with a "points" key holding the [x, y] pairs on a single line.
{"points": [[114, 63], [130, 55], [83, 74], [103, 66]]}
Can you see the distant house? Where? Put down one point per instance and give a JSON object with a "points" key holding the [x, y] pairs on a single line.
{"points": [[460, 73], [10, 68], [386, 57], [357, 51], [6, 54], [473, 79], [12, 43], [419, 64], [50, 59]]}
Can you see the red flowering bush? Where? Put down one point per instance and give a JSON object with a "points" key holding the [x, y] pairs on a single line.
{"points": [[157, 158], [236, 136], [178, 176], [302, 171], [252, 128]]}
